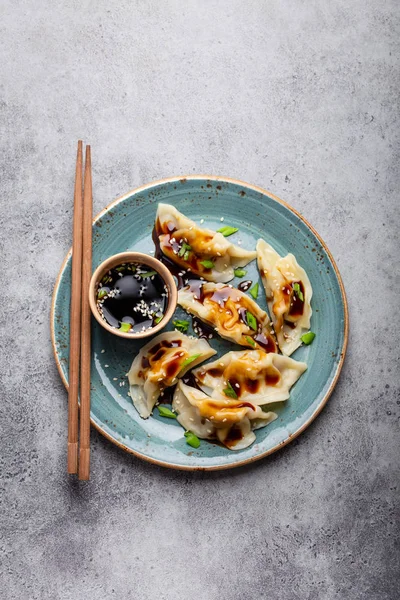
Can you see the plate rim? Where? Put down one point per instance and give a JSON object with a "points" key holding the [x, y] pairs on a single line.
{"points": [[329, 391]]}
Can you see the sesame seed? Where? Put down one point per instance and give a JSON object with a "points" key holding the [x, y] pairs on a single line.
{"points": [[201, 220], [103, 351], [115, 378], [222, 218], [106, 366]]}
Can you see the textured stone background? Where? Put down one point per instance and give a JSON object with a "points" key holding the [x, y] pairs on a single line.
{"points": [[300, 97]]}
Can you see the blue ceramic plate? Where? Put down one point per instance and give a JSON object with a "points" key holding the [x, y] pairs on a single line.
{"points": [[126, 224]]}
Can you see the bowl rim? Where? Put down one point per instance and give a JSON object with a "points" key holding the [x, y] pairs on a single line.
{"points": [[291, 437], [149, 261]]}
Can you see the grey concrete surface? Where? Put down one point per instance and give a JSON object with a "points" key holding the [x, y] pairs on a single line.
{"points": [[298, 97]]}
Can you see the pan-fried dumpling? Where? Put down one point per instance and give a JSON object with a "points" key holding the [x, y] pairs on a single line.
{"points": [[202, 251], [250, 376], [160, 363], [228, 420], [235, 316], [288, 292]]}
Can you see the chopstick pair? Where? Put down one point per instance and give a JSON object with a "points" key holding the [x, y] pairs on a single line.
{"points": [[79, 346]]}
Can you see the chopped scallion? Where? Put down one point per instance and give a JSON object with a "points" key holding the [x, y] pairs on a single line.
{"points": [[148, 274], [191, 439], [251, 320], [254, 291], [240, 272], [226, 231], [181, 326], [166, 412], [208, 264], [250, 341], [229, 391], [189, 360], [308, 338]]}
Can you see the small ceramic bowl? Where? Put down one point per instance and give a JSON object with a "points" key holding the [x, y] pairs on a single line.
{"points": [[149, 261]]}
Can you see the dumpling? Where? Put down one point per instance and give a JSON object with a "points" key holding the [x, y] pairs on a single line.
{"points": [[250, 376], [289, 294], [228, 420], [160, 363], [202, 251], [235, 316]]}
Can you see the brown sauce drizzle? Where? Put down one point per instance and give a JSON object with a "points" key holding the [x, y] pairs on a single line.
{"points": [[272, 376], [245, 285], [219, 296], [166, 395], [215, 371], [217, 406], [296, 305], [251, 385], [202, 329], [163, 344], [190, 379], [234, 436], [266, 342], [173, 367], [196, 287]]}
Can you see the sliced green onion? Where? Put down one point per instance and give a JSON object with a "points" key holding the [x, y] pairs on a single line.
{"points": [[240, 272], [229, 391], [227, 230], [308, 338], [250, 341], [125, 327], [158, 319], [208, 264], [102, 293], [148, 274], [192, 439], [251, 320], [298, 291], [189, 360], [184, 251], [254, 291], [166, 412], [181, 326]]}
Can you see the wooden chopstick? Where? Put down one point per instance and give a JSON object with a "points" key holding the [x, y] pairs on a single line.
{"points": [[75, 320], [84, 441]]}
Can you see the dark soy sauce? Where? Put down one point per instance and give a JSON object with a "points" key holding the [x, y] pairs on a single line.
{"points": [[167, 394], [245, 285], [132, 297], [297, 305], [296, 308], [202, 329]]}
